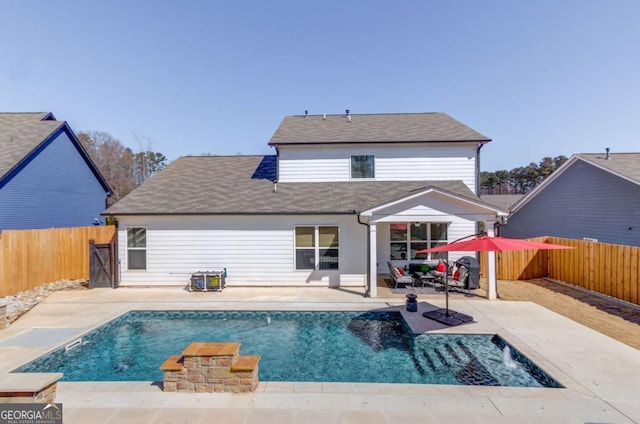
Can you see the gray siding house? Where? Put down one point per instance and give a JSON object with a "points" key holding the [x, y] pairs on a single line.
{"points": [[591, 196], [46, 178]]}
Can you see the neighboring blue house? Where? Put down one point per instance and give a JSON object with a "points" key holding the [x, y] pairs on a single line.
{"points": [[46, 178], [591, 196]]}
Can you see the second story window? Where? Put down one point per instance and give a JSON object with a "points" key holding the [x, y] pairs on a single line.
{"points": [[363, 166]]}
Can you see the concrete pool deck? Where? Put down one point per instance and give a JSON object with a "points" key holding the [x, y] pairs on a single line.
{"points": [[601, 375]]}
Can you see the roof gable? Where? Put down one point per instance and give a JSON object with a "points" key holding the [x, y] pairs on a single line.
{"points": [[373, 128], [24, 135], [622, 165]]}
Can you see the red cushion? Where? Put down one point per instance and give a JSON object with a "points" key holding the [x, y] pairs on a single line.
{"points": [[441, 267], [456, 275], [400, 271]]}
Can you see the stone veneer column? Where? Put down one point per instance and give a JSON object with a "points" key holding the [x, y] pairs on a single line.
{"points": [[28, 387], [211, 367]]}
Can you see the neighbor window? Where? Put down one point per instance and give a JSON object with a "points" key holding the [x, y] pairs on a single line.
{"points": [[407, 238], [137, 248], [363, 166], [317, 245]]}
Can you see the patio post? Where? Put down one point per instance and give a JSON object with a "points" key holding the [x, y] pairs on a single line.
{"points": [[492, 290], [373, 260]]}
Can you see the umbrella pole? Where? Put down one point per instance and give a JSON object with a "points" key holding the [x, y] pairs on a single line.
{"points": [[446, 287]]}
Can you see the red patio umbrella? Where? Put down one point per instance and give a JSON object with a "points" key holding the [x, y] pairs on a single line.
{"points": [[483, 243], [492, 244]]}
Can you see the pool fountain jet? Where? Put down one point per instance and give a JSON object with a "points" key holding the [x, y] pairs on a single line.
{"points": [[507, 360]]}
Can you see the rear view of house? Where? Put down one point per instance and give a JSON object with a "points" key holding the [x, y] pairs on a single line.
{"points": [[46, 177], [343, 195]]}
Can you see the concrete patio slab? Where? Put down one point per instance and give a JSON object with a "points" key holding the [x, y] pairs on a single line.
{"points": [[599, 373]]}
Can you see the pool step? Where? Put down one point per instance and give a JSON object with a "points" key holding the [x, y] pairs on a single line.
{"points": [[452, 357]]}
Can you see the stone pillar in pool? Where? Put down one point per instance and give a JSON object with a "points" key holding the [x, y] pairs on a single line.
{"points": [[211, 367]]}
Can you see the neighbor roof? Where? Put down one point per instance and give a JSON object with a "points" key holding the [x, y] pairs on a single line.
{"points": [[20, 134], [623, 165], [245, 185], [373, 128], [503, 201], [626, 165]]}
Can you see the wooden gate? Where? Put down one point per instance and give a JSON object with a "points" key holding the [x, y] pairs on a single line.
{"points": [[102, 269]]}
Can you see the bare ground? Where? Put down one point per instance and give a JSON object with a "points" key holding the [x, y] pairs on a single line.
{"points": [[604, 315]]}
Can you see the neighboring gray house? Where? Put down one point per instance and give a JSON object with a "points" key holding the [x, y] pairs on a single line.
{"points": [[46, 178], [591, 196]]}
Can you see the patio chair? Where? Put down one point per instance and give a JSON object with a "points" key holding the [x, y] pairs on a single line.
{"points": [[398, 278]]}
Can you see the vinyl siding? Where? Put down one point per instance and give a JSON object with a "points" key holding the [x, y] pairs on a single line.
{"points": [[257, 251], [584, 201], [397, 162], [55, 189]]}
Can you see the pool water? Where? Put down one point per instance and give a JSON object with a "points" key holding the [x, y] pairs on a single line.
{"points": [[295, 346]]}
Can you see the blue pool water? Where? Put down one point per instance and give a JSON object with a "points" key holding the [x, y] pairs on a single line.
{"points": [[295, 346]]}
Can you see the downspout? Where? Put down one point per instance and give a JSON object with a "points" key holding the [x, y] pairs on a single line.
{"points": [[367, 292]]}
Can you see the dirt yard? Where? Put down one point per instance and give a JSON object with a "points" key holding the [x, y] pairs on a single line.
{"points": [[614, 319]]}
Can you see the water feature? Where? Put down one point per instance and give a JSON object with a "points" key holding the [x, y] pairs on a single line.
{"points": [[507, 360]]}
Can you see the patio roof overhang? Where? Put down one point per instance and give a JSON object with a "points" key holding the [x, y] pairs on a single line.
{"points": [[433, 205]]}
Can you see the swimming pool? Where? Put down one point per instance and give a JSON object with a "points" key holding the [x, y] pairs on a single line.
{"points": [[295, 346]]}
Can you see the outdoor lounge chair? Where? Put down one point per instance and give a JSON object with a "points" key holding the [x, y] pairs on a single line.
{"points": [[397, 277]]}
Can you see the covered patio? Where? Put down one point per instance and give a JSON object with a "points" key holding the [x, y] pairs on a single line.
{"points": [[427, 218]]}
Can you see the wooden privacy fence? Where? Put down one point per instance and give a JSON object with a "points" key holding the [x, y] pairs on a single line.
{"points": [[31, 258], [610, 269]]}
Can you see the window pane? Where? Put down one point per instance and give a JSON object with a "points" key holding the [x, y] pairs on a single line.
{"points": [[419, 246], [438, 255], [419, 232], [398, 232], [439, 232], [362, 166], [136, 237], [328, 259], [305, 236], [328, 236], [398, 251], [305, 259], [137, 259]]}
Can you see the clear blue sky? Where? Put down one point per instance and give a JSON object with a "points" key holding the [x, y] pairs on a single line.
{"points": [[540, 78]]}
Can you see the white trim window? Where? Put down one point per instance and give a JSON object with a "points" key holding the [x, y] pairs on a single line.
{"points": [[363, 166], [407, 238], [136, 248], [317, 247]]}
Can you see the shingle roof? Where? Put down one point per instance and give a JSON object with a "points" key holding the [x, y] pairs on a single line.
{"points": [[373, 128], [244, 185], [503, 201], [20, 134], [625, 164]]}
